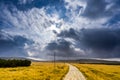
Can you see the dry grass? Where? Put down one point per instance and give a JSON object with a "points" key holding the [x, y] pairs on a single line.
{"points": [[37, 71], [99, 71]]}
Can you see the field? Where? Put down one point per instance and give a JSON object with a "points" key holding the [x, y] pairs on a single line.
{"points": [[49, 71], [37, 71], [100, 71]]}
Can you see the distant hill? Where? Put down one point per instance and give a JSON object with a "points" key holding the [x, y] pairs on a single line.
{"points": [[83, 61], [10, 58], [94, 61], [22, 58]]}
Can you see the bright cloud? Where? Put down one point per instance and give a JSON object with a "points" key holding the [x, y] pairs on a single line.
{"points": [[43, 24]]}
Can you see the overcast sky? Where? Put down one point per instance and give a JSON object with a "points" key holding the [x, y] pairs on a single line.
{"points": [[70, 28]]}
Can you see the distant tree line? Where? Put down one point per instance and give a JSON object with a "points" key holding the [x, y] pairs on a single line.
{"points": [[14, 63]]}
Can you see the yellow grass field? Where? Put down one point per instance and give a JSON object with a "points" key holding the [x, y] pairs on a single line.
{"points": [[37, 71], [100, 71]]}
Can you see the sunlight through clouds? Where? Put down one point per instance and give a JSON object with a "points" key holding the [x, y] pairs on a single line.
{"points": [[64, 24]]}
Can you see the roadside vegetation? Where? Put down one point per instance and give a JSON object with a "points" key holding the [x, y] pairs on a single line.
{"points": [[37, 71], [99, 71], [14, 63]]}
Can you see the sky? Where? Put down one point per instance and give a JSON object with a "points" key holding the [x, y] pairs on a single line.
{"points": [[72, 29]]}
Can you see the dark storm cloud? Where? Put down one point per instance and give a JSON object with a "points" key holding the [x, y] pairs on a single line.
{"points": [[16, 20], [69, 33], [101, 8], [105, 39], [114, 22], [12, 46], [60, 44], [63, 48], [95, 8], [102, 42], [115, 10]]}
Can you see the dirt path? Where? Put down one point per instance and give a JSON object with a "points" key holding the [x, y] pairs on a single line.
{"points": [[74, 74]]}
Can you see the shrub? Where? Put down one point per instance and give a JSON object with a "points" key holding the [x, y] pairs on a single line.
{"points": [[14, 63]]}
